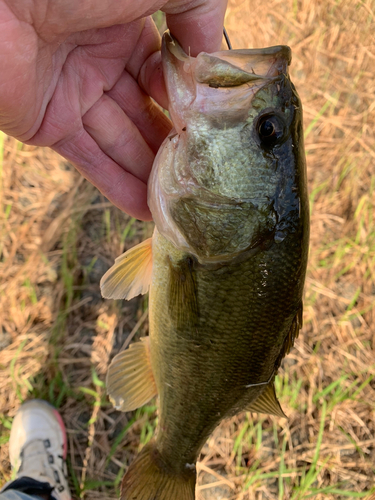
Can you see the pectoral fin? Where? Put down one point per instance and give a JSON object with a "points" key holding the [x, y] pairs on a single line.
{"points": [[130, 275], [267, 403], [130, 381]]}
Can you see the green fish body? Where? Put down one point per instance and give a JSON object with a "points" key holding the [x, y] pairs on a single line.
{"points": [[227, 262]]}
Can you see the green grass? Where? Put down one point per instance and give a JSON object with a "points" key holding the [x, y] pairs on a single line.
{"points": [[15, 374], [288, 388], [148, 422], [297, 483], [128, 232], [5, 426], [330, 102], [309, 475]]}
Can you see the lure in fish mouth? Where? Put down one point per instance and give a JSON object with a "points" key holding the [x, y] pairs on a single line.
{"points": [[226, 264]]}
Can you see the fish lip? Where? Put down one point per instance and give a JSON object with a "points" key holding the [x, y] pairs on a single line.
{"points": [[283, 51], [279, 57]]}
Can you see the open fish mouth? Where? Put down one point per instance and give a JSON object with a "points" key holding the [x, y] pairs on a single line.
{"points": [[230, 68], [219, 84]]}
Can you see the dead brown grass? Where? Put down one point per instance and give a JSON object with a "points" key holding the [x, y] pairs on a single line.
{"points": [[58, 236]]}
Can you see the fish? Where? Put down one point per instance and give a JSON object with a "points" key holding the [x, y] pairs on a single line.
{"points": [[225, 267]]}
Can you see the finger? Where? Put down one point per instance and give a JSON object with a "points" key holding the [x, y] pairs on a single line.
{"points": [[59, 18], [146, 58], [149, 42], [118, 137], [152, 123], [87, 73], [124, 190], [198, 26], [151, 80]]}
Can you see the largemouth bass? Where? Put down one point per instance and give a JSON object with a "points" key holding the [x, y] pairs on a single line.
{"points": [[226, 264]]}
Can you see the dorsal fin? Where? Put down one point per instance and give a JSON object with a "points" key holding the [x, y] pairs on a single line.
{"points": [[267, 402], [131, 273], [291, 337]]}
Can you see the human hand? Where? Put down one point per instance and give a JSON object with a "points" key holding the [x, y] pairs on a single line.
{"points": [[77, 76]]}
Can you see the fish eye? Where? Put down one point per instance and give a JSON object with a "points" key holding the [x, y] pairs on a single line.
{"points": [[271, 130]]}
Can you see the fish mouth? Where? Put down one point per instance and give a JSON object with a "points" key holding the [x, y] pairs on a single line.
{"points": [[222, 82], [229, 68]]}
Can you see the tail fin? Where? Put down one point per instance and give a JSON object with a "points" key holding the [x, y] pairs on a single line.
{"points": [[149, 478]]}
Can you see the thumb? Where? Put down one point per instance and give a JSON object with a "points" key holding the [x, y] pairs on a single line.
{"points": [[151, 79]]}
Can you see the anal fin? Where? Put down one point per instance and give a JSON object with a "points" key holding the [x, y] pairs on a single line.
{"points": [[131, 273], [267, 402], [130, 381]]}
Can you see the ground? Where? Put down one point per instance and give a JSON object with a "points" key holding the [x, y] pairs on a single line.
{"points": [[58, 235]]}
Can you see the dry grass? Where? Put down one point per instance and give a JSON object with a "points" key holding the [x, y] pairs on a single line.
{"points": [[57, 335]]}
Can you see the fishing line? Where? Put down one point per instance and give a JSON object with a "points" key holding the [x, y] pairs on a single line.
{"points": [[227, 38]]}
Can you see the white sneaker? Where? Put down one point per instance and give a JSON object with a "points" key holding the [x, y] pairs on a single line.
{"points": [[38, 446]]}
